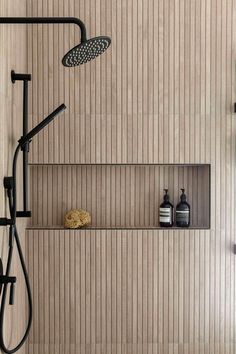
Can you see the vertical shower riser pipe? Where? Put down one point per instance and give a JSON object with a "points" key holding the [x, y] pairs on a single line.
{"points": [[25, 78]]}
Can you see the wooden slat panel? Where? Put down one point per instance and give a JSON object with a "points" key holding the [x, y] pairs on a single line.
{"points": [[145, 99], [91, 257], [162, 93]]}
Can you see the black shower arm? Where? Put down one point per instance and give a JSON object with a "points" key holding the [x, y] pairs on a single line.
{"points": [[46, 20]]}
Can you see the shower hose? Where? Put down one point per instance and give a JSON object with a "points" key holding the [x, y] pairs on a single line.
{"points": [[13, 235]]}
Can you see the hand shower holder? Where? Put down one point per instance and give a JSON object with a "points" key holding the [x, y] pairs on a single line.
{"points": [[19, 77], [8, 185], [4, 279]]}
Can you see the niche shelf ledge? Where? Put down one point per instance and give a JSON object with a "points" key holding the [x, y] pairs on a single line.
{"points": [[116, 228]]}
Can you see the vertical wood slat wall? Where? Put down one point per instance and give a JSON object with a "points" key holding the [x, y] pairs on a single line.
{"points": [[152, 97], [127, 292], [163, 93]]}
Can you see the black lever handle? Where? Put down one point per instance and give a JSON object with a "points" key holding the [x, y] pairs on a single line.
{"points": [[23, 214], [12, 294], [5, 280], [5, 221]]}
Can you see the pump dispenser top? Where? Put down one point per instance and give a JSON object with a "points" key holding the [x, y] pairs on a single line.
{"points": [[183, 197], [166, 195]]}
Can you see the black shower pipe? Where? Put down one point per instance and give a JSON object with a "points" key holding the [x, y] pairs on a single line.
{"points": [[46, 20], [25, 78]]}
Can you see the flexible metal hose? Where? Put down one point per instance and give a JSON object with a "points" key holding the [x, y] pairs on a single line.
{"points": [[13, 234]]}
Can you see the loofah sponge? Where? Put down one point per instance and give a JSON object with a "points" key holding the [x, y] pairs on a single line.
{"points": [[77, 218]]}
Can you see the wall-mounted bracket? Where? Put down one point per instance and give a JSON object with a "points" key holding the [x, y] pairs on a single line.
{"points": [[25, 78], [19, 77], [8, 183], [6, 222], [4, 279], [23, 214]]}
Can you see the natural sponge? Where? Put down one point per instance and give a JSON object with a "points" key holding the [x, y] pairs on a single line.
{"points": [[77, 218]]}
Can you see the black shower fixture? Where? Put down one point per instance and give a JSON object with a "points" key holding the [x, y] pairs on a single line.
{"points": [[24, 141], [6, 279], [87, 50], [27, 138]]}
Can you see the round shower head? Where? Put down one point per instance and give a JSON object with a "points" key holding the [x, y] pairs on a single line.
{"points": [[86, 51]]}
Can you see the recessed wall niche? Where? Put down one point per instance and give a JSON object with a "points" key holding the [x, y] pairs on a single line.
{"points": [[117, 196]]}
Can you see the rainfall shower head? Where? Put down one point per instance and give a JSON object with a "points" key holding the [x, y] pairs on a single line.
{"points": [[88, 48], [86, 51]]}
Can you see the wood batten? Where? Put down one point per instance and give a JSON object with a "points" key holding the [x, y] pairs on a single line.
{"points": [[123, 289], [162, 93]]}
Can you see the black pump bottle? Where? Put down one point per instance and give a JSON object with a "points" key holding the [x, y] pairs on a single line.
{"points": [[183, 211], [166, 212]]}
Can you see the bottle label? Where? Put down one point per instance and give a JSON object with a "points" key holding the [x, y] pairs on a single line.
{"points": [[165, 215], [182, 215]]}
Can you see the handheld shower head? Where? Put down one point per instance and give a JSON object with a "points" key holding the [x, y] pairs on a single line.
{"points": [[24, 139], [86, 51]]}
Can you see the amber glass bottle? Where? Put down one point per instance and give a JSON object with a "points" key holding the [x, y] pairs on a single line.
{"points": [[183, 211], [166, 211]]}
